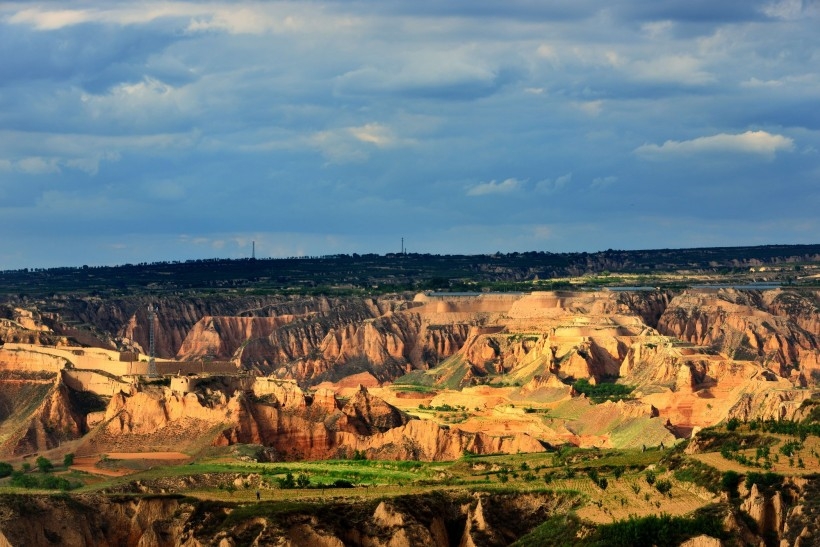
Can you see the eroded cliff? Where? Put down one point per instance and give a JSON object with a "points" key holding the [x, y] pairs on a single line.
{"points": [[436, 519]]}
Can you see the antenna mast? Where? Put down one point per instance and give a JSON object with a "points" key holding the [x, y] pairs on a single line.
{"points": [[152, 365]]}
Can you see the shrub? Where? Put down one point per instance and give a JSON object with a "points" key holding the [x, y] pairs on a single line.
{"points": [[23, 480], [732, 424], [68, 459], [650, 478], [663, 486], [603, 483], [5, 469], [44, 464], [302, 481], [764, 480], [728, 483], [789, 448], [656, 530], [287, 481]]}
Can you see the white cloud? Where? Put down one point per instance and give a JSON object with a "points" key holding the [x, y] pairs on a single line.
{"points": [[751, 142], [422, 70], [373, 133], [138, 103], [91, 164], [682, 69], [656, 29], [789, 10], [548, 52], [353, 144], [38, 165], [603, 182], [793, 82], [246, 21], [338, 146], [47, 165], [590, 108], [258, 19], [615, 59], [550, 185], [51, 19], [493, 187], [754, 82]]}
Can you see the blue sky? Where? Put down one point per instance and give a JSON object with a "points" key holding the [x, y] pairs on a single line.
{"points": [[142, 131]]}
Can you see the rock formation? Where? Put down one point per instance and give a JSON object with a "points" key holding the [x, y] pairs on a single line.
{"points": [[437, 520], [694, 358]]}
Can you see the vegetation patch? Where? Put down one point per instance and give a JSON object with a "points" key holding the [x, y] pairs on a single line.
{"points": [[603, 391], [656, 530], [695, 472]]}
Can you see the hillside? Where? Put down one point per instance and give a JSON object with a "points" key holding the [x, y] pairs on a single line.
{"points": [[371, 273]]}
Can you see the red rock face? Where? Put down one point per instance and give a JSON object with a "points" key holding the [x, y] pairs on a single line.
{"points": [[366, 423], [770, 328], [54, 421]]}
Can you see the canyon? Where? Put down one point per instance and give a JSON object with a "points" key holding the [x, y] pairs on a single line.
{"points": [[428, 377], [691, 360]]}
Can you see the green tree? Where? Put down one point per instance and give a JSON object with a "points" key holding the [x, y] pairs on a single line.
{"points": [[68, 459], [5, 469], [288, 481], [44, 464], [729, 482], [302, 481]]}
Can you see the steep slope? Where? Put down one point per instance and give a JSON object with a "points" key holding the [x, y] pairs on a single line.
{"points": [[41, 418]]}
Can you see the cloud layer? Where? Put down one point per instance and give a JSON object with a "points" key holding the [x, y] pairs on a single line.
{"points": [[175, 130]]}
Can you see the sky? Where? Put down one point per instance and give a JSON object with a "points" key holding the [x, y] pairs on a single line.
{"points": [[149, 131]]}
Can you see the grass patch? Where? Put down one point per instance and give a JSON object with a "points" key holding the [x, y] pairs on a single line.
{"points": [[412, 388], [558, 531]]}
